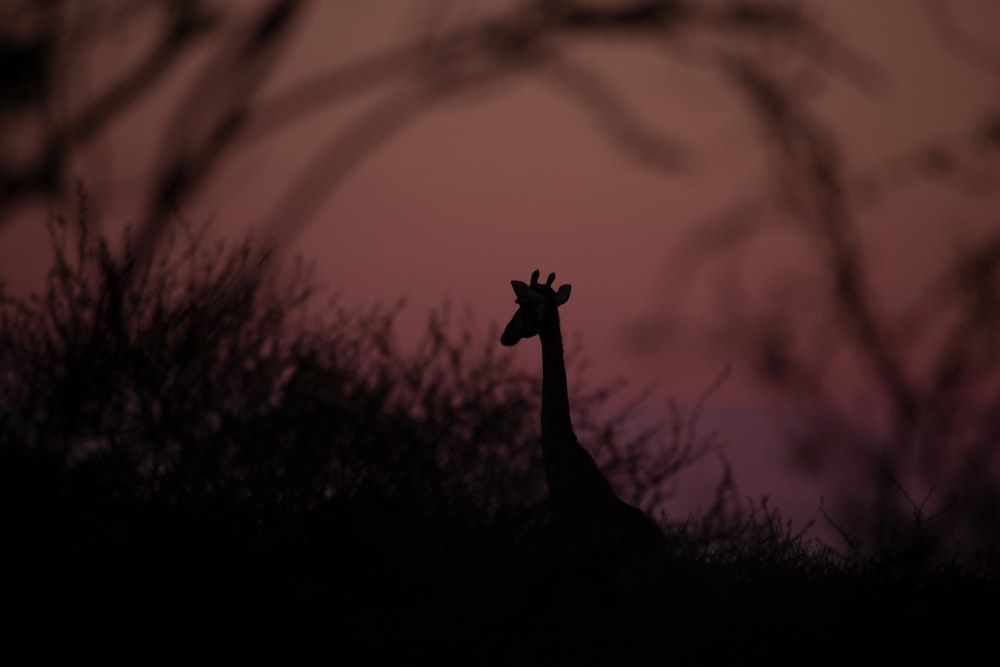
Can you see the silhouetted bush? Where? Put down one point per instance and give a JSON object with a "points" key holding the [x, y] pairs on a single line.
{"points": [[198, 459], [207, 374], [199, 377]]}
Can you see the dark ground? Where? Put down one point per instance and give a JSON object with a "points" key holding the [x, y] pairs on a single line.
{"points": [[145, 583]]}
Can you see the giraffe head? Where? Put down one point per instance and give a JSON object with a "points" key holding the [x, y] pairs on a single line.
{"points": [[534, 301]]}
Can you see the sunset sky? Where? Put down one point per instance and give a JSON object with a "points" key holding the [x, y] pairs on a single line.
{"points": [[485, 186]]}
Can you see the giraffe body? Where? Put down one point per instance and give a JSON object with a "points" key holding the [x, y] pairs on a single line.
{"points": [[586, 514]]}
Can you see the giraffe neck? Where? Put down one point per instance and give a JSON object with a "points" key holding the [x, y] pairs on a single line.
{"points": [[574, 480], [556, 424], [576, 484]]}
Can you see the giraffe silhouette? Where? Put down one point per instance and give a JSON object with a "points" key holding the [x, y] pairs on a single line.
{"points": [[588, 520]]}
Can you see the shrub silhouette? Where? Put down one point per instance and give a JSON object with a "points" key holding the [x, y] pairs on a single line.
{"points": [[205, 375], [196, 462], [201, 404], [200, 378]]}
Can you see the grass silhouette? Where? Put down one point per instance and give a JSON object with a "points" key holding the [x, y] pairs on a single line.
{"points": [[195, 466]]}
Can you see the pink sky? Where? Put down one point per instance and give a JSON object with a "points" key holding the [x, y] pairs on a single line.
{"points": [[487, 187]]}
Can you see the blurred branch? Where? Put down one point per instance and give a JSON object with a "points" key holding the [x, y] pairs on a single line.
{"points": [[212, 117], [221, 112], [978, 54], [337, 159], [612, 117], [812, 187], [179, 34], [33, 64]]}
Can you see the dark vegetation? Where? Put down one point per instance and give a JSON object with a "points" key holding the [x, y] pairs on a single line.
{"points": [[198, 462]]}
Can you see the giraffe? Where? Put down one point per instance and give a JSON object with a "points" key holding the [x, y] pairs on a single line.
{"points": [[586, 515]]}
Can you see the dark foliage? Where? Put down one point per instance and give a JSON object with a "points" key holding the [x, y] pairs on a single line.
{"points": [[197, 466]]}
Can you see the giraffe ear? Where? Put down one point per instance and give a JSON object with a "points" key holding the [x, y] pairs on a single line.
{"points": [[562, 296], [520, 288]]}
